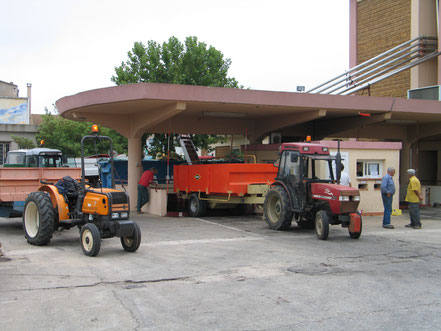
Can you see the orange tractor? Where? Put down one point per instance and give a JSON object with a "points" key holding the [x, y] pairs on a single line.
{"points": [[97, 212]]}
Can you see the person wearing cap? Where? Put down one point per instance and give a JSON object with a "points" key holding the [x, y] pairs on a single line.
{"points": [[387, 193], [413, 197], [143, 188]]}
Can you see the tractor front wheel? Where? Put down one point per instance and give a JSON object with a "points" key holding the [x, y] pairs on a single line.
{"points": [[131, 244], [356, 235], [277, 211], [90, 239], [321, 225], [38, 218]]}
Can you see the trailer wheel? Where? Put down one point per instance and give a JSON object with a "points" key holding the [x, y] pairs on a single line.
{"points": [[38, 218], [90, 239], [356, 235], [277, 211], [321, 225], [131, 244], [196, 206]]}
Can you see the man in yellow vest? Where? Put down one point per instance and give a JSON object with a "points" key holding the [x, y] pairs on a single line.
{"points": [[414, 196]]}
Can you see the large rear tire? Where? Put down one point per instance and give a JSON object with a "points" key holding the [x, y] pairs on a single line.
{"points": [[131, 244], [38, 218], [277, 211], [90, 239], [196, 206], [322, 225]]}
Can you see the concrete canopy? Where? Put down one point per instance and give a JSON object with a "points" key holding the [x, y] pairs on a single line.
{"points": [[135, 109]]}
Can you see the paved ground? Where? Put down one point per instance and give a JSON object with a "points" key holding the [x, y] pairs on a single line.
{"points": [[228, 273]]}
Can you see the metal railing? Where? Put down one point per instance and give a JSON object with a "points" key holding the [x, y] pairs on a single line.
{"points": [[380, 67]]}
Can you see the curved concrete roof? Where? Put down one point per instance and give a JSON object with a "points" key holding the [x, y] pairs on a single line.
{"points": [[161, 108]]}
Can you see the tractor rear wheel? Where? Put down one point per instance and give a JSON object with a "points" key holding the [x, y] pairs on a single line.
{"points": [[38, 218], [322, 225], [277, 211], [196, 206], [90, 239], [131, 244]]}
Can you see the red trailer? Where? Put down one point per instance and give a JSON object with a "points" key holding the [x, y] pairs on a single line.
{"points": [[222, 185]]}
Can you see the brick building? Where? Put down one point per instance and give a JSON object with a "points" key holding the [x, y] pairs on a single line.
{"points": [[378, 25]]}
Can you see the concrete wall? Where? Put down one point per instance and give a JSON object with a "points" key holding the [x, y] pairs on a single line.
{"points": [[369, 187], [8, 90], [423, 23], [22, 130]]}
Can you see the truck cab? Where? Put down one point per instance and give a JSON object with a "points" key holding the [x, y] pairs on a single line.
{"points": [[35, 158]]}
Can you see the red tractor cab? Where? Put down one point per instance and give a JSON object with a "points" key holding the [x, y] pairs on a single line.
{"points": [[306, 190]]}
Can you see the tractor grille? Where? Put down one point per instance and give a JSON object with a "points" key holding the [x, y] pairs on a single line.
{"points": [[119, 198]]}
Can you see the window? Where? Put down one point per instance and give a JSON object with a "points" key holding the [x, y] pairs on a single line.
{"points": [[4, 149], [369, 168]]}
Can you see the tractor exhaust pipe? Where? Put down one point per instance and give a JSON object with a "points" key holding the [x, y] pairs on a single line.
{"points": [[338, 162]]}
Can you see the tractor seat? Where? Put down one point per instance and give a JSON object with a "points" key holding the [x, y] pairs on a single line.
{"points": [[69, 189]]}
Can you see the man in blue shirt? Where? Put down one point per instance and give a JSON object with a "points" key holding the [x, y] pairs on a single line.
{"points": [[387, 192]]}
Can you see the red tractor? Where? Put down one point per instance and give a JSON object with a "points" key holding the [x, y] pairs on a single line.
{"points": [[305, 190]]}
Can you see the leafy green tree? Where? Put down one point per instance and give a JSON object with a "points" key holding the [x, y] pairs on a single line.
{"points": [[160, 143], [173, 62], [65, 135], [23, 142]]}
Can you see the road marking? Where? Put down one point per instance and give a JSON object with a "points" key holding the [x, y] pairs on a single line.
{"points": [[424, 216], [199, 241], [39, 250], [227, 227], [397, 232]]}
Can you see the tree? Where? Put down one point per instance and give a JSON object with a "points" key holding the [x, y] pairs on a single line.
{"points": [[23, 142], [191, 63], [65, 135]]}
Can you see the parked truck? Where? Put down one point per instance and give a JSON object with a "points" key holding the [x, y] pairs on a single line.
{"points": [[17, 183], [34, 158], [222, 185], [53, 158]]}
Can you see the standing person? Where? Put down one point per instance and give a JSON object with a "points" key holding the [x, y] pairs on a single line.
{"points": [[345, 180], [143, 188], [387, 193], [414, 196]]}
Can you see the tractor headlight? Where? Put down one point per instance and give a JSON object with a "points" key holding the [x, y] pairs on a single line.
{"points": [[356, 198], [115, 215], [343, 198], [124, 214]]}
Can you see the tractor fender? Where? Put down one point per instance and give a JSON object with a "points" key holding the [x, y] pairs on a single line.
{"points": [[278, 183], [57, 201], [323, 205]]}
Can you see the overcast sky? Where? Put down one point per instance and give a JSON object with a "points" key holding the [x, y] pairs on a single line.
{"points": [[64, 47]]}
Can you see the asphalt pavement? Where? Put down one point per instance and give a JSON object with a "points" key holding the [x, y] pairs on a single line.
{"points": [[226, 273]]}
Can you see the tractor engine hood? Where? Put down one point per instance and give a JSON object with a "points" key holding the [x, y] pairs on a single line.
{"points": [[333, 190], [341, 199]]}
